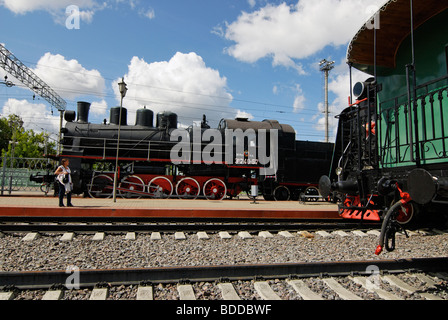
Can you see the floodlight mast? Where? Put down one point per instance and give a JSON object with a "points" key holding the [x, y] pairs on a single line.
{"points": [[326, 67], [12, 65]]}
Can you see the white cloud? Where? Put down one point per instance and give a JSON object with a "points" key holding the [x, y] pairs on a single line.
{"points": [[299, 100], [287, 33], [57, 8], [218, 30], [252, 3], [87, 8], [86, 16], [98, 108], [25, 6], [244, 114], [184, 85], [148, 13], [68, 77], [284, 60], [35, 116]]}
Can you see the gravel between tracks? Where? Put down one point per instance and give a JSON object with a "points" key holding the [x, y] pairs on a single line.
{"points": [[49, 253]]}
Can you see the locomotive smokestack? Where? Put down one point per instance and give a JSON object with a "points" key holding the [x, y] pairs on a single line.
{"points": [[83, 112]]}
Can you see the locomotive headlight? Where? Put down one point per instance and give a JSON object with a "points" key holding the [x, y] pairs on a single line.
{"points": [[359, 89], [338, 171]]}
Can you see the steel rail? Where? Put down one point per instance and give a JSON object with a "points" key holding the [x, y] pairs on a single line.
{"points": [[168, 225], [90, 278]]}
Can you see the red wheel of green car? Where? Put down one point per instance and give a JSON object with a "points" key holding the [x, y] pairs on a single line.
{"points": [[405, 213]]}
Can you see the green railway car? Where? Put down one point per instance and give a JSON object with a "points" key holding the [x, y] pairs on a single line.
{"points": [[391, 151], [431, 40]]}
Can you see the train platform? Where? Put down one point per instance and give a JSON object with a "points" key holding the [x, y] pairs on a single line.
{"points": [[39, 206]]}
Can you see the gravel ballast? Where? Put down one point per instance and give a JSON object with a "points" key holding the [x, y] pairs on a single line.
{"points": [[48, 252]]}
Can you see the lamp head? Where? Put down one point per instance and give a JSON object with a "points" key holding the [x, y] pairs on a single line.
{"points": [[122, 87]]}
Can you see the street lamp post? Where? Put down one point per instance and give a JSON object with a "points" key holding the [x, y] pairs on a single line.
{"points": [[123, 89]]}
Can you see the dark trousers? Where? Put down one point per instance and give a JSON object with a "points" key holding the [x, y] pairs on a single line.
{"points": [[62, 193]]}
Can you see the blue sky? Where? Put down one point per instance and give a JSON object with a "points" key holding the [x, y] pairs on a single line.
{"points": [[222, 58]]}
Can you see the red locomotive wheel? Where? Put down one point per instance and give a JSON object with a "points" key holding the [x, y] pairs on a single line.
{"points": [[131, 187], [188, 188], [101, 186], [215, 189], [160, 187]]}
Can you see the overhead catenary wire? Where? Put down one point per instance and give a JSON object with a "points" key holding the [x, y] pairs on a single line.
{"points": [[288, 107], [206, 107], [196, 106]]}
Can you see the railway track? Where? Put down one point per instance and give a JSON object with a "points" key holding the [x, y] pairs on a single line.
{"points": [[407, 279], [245, 280], [117, 224]]}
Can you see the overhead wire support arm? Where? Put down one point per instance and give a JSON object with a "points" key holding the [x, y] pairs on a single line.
{"points": [[21, 72]]}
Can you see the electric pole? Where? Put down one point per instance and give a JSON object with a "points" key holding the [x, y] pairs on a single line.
{"points": [[326, 66]]}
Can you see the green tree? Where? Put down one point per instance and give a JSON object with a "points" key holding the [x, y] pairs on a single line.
{"points": [[21, 143], [5, 134]]}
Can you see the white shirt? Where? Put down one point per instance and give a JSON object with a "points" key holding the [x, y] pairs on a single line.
{"points": [[68, 185]]}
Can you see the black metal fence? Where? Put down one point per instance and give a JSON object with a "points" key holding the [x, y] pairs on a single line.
{"points": [[15, 174]]}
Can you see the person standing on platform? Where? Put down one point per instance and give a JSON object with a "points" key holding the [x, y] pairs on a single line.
{"points": [[65, 183]]}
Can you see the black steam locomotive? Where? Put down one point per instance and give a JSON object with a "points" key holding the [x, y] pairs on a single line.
{"points": [[163, 160]]}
